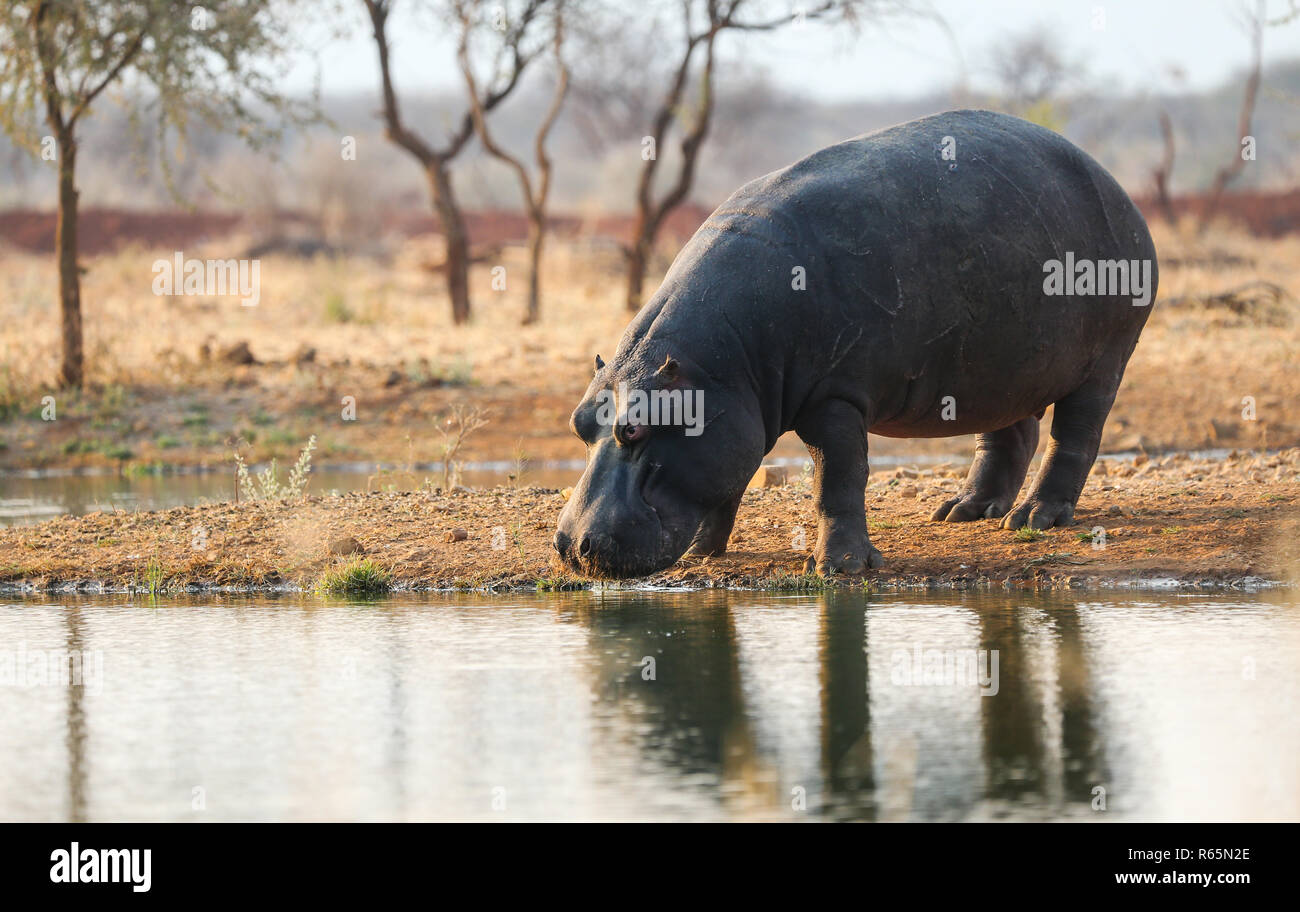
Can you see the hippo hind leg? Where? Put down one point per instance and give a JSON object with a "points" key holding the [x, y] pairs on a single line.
{"points": [[1075, 438], [994, 480]]}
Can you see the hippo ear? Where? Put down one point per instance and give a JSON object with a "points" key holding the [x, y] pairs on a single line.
{"points": [[668, 371], [599, 363]]}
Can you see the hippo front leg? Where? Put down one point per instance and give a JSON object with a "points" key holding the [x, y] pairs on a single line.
{"points": [[835, 433], [714, 533]]}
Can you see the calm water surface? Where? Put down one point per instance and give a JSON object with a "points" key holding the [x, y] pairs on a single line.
{"points": [[653, 705], [33, 498]]}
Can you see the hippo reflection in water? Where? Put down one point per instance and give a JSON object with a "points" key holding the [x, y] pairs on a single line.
{"points": [[952, 275]]}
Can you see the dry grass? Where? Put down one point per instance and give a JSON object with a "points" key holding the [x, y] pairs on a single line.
{"points": [[349, 309], [1197, 361], [383, 335]]}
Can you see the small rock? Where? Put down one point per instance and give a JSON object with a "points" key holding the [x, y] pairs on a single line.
{"points": [[341, 547], [455, 535], [304, 354], [768, 477], [909, 491], [1224, 430], [237, 353], [393, 378]]}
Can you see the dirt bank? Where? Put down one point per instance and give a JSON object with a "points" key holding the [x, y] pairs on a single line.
{"points": [[1197, 522]]}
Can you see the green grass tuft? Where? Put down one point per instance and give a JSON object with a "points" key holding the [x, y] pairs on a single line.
{"points": [[561, 583], [155, 580], [358, 577], [797, 582]]}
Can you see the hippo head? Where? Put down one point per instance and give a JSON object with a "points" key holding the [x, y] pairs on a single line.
{"points": [[667, 444]]}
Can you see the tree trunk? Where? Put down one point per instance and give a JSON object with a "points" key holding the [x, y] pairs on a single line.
{"points": [[71, 372], [1230, 171], [453, 230], [638, 258], [536, 236], [1164, 170]]}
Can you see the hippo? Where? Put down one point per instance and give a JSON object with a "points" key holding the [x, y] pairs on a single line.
{"points": [[951, 275]]}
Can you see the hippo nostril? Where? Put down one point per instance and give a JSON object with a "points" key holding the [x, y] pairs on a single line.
{"points": [[561, 543], [584, 548]]}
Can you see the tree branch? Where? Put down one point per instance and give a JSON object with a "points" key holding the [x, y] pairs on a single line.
{"points": [[393, 126], [692, 142], [127, 56], [557, 101], [476, 113], [45, 57]]}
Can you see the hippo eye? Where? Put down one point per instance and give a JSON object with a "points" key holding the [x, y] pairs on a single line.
{"points": [[629, 434]]}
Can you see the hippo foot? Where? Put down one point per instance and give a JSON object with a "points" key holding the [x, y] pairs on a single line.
{"points": [[853, 562], [970, 506], [1040, 514], [706, 549]]}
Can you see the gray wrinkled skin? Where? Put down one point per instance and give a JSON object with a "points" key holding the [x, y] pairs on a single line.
{"points": [[924, 280]]}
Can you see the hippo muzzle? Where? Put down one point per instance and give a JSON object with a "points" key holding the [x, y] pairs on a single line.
{"points": [[610, 530]]}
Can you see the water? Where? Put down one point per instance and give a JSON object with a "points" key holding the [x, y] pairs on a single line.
{"points": [[34, 497], [464, 706]]}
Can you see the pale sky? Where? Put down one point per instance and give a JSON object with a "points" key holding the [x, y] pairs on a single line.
{"points": [[1136, 46]]}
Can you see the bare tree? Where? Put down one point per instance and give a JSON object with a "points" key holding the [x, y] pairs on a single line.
{"points": [[695, 65], [1255, 22], [535, 196], [1030, 69], [1162, 173], [203, 64], [512, 58], [618, 55]]}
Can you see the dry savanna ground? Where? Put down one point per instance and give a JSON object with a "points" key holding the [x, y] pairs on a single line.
{"points": [[167, 385], [1176, 519]]}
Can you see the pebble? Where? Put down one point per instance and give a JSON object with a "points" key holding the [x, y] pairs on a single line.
{"points": [[340, 547]]}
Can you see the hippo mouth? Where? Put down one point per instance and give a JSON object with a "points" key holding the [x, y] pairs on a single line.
{"points": [[640, 547], [601, 556]]}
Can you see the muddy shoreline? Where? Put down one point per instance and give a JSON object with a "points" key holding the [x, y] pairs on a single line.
{"points": [[1162, 523]]}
